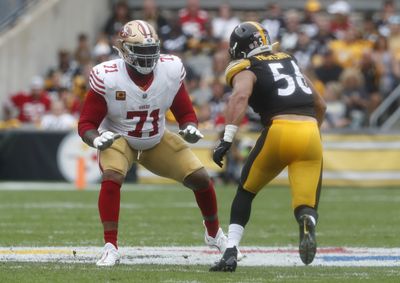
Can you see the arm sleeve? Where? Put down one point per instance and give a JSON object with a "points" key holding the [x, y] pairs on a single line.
{"points": [[93, 112], [182, 108]]}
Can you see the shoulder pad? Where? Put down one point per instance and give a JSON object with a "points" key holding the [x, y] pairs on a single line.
{"points": [[174, 65], [235, 67], [104, 74]]}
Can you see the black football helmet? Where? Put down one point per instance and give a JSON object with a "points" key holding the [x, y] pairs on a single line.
{"points": [[248, 39]]}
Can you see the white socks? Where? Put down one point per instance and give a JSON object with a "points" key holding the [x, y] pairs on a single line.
{"points": [[235, 234]]}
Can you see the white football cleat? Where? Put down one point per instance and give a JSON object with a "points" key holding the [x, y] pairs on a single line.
{"points": [[110, 256], [218, 242]]}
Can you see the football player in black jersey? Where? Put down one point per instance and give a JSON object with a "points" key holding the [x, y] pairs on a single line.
{"points": [[291, 112]]}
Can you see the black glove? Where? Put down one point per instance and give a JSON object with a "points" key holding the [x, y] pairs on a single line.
{"points": [[220, 151]]}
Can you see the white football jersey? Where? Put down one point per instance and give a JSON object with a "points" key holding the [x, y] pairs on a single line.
{"points": [[137, 114]]}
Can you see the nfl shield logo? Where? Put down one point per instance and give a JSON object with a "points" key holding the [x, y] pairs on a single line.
{"points": [[144, 95]]}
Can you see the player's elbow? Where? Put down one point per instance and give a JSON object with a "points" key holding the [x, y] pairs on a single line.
{"points": [[239, 97], [83, 127]]}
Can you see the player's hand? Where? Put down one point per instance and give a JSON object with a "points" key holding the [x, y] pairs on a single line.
{"points": [[105, 140], [220, 151], [191, 134]]}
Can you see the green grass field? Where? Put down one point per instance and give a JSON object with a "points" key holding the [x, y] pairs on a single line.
{"points": [[168, 216]]}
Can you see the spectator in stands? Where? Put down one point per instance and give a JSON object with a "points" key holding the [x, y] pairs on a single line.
{"points": [[53, 82], [329, 70], [29, 107], [176, 43], [355, 97], [335, 116], [250, 16], [120, 16], [101, 51], [388, 10], [220, 60], [290, 35], [194, 21], [348, 51], [394, 38], [152, 15], [67, 67], [369, 28], [386, 64], [340, 22], [79, 87], [324, 34], [304, 50], [311, 8], [371, 76], [71, 102], [216, 104], [199, 83], [200, 93], [199, 60], [224, 23], [309, 36], [58, 118], [273, 21], [82, 54]]}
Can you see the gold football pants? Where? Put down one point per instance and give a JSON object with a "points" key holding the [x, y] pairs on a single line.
{"points": [[296, 144], [171, 158]]}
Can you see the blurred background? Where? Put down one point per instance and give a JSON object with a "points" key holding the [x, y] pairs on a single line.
{"points": [[349, 49]]}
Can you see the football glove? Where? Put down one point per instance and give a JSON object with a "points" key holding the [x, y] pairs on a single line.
{"points": [[191, 134], [105, 140], [220, 151]]}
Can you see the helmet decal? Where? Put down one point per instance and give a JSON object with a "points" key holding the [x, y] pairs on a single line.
{"points": [[126, 32], [260, 32]]}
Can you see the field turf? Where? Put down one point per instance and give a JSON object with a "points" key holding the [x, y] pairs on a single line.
{"points": [[155, 215]]}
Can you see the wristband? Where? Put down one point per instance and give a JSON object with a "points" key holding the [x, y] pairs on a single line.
{"points": [[230, 131]]}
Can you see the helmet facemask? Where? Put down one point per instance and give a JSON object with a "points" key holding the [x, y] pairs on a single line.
{"points": [[142, 57]]}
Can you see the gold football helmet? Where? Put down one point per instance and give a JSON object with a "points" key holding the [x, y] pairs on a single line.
{"points": [[139, 46]]}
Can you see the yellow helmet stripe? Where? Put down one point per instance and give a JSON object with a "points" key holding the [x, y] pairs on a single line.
{"points": [[259, 28]]}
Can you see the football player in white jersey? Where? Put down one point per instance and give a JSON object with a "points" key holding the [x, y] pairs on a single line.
{"points": [[124, 118]]}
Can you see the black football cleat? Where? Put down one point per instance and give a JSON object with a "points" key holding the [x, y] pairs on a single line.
{"points": [[228, 262], [308, 244]]}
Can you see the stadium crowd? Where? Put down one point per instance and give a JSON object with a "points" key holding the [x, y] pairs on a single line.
{"points": [[353, 58]]}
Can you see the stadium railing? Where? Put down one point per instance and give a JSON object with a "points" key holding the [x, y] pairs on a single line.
{"points": [[10, 11]]}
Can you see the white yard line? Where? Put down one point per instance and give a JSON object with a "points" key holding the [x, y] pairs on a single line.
{"points": [[254, 256]]}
